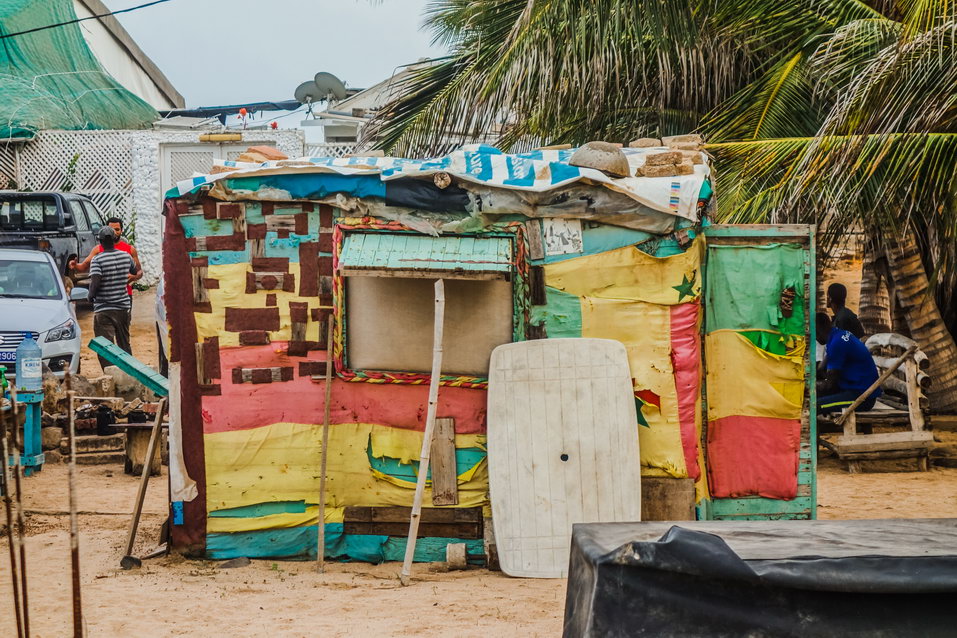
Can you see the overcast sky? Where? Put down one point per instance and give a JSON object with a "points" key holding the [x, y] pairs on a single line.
{"points": [[218, 52]]}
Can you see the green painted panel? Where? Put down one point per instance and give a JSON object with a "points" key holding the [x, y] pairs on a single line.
{"points": [[562, 314], [407, 251], [744, 286]]}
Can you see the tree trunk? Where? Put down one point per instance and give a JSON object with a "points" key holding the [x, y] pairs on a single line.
{"points": [[875, 306], [924, 320]]}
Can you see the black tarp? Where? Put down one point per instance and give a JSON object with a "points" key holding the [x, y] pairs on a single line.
{"points": [[763, 578]]}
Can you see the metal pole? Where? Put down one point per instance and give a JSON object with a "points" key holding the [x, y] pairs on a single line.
{"points": [[321, 551], [21, 522], [424, 455], [74, 524], [8, 505]]}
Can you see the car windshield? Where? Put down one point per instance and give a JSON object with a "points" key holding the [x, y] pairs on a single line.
{"points": [[28, 280]]}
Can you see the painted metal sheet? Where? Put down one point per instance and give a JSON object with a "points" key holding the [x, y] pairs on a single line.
{"points": [[562, 448], [406, 251]]}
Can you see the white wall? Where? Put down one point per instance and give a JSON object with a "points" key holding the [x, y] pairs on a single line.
{"points": [[117, 61]]}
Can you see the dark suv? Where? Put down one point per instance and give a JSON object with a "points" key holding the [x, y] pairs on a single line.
{"points": [[62, 224]]}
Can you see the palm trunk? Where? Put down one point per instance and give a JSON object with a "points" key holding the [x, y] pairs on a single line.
{"points": [[924, 320], [875, 306]]}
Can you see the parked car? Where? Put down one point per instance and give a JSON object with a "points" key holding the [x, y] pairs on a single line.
{"points": [[62, 224], [34, 299]]}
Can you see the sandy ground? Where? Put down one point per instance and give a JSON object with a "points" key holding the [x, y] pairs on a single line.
{"points": [[171, 596]]}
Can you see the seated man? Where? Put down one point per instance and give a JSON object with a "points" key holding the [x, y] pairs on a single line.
{"points": [[850, 369], [844, 317]]}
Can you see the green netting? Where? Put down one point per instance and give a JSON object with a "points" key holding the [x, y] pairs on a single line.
{"points": [[744, 285], [51, 80]]}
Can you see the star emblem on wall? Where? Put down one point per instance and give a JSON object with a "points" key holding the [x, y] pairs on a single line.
{"points": [[686, 287]]}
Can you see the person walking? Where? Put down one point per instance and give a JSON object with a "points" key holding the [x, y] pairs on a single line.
{"points": [[117, 225], [109, 271]]}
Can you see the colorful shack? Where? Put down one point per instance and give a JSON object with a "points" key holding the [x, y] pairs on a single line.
{"points": [[260, 258]]}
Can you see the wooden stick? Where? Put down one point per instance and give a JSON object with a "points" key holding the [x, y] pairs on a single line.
{"points": [[327, 408], [74, 521], [144, 479], [8, 505], [439, 324], [21, 521], [888, 372]]}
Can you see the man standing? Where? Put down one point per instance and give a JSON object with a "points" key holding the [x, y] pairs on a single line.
{"points": [[117, 225], [844, 317], [109, 274], [850, 369]]}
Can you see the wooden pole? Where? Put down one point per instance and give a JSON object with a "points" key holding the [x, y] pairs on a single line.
{"points": [[74, 522], [326, 412], [21, 521], [888, 372], [438, 329], [128, 559], [8, 506]]}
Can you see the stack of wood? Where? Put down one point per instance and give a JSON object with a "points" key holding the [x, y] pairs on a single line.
{"points": [[684, 151]]}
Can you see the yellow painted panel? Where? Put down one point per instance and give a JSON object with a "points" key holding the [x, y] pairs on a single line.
{"points": [[280, 462], [628, 273], [645, 331], [745, 380], [232, 293], [272, 521]]}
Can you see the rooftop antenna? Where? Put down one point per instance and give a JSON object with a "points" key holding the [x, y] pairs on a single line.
{"points": [[332, 87]]}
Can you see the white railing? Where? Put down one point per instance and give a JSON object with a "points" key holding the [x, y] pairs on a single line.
{"points": [[334, 149]]}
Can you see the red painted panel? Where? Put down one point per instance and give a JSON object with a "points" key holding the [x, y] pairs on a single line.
{"points": [[686, 362], [753, 456], [245, 406]]}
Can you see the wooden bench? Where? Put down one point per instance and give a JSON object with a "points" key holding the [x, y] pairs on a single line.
{"points": [[901, 409]]}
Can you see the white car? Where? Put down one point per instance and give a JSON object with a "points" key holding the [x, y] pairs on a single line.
{"points": [[33, 299]]}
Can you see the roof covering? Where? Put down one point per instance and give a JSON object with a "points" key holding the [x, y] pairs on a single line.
{"points": [[465, 256], [51, 80], [486, 166]]}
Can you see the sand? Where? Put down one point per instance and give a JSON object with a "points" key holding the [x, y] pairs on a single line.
{"points": [[171, 596]]}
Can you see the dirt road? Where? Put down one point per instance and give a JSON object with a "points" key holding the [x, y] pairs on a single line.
{"points": [[142, 333]]}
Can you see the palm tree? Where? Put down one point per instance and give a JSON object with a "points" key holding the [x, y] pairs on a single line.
{"points": [[836, 111]]}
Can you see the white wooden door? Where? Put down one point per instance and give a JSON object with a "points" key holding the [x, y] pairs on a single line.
{"points": [[562, 448]]}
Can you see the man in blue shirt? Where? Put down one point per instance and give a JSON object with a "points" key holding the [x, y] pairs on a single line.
{"points": [[850, 369]]}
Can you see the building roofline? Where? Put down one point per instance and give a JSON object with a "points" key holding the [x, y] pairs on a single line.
{"points": [[126, 41]]}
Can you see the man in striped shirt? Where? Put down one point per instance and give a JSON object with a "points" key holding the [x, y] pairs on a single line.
{"points": [[111, 302]]}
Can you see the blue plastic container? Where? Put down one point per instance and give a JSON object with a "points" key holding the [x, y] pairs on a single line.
{"points": [[29, 365]]}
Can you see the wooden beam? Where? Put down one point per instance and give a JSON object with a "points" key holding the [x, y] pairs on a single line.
{"points": [[445, 489]]}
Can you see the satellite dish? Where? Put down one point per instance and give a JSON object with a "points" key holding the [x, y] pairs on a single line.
{"points": [[308, 92], [330, 86]]}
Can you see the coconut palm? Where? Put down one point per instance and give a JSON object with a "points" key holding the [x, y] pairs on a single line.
{"points": [[836, 112]]}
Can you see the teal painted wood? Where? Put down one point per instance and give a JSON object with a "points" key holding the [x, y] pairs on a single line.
{"points": [[130, 365], [407, 251], [801, 231], [759, 508]]}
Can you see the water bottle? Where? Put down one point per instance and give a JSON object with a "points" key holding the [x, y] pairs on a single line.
{"points": [[29, 365]]}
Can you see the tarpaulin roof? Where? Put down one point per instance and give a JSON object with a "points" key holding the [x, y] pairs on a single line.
{"points": [[50, 79], [537, 171]]}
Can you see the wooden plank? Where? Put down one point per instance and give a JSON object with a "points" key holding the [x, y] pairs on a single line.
{"points": [[885, 454], [533, 229], [911, 373], [467, 531], [751, 231], [667, 499], [445, 489], [130, 365], [401, 515], [201, 377], [883, 441]]}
